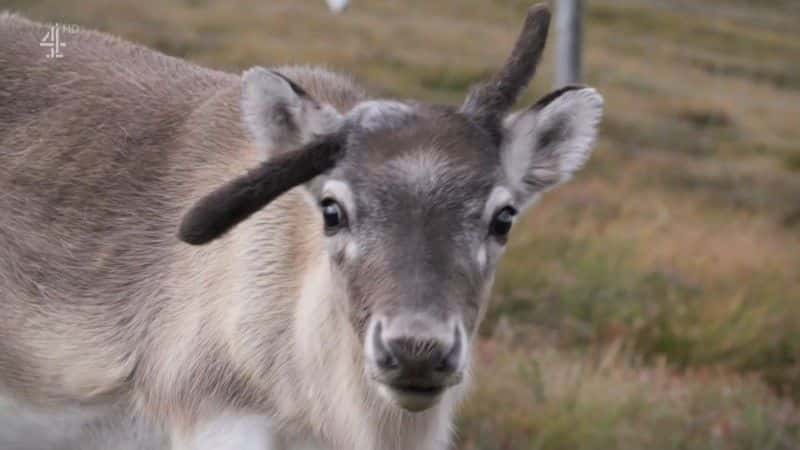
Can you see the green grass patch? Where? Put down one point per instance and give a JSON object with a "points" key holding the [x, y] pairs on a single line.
{"points": [[586, 292], [563, 401]]}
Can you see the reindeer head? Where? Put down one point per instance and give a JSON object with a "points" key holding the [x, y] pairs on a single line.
{"points": [[416, 201]]}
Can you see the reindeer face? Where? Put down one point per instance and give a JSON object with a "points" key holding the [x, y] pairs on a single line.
{"points": [[413, 231], [416, 202]]}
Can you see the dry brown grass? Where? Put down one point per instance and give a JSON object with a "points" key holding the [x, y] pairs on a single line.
{"points": [[552, 400]]}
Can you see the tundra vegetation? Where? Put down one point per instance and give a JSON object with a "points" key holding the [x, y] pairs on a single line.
{"points": [[653, 302]]}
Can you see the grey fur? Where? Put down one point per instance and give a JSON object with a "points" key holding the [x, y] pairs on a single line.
{"points": [[27, 429]]}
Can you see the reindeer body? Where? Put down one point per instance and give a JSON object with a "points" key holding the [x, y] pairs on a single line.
{"points": [[341, 311]]}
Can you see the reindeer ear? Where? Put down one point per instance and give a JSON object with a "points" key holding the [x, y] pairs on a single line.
{"points": [[545, 144], [279, 114]]}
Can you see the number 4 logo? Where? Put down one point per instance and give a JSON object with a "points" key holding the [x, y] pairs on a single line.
{"points": [[52, 40]]}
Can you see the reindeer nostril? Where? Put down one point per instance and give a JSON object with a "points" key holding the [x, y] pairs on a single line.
{"points": [[387, 362], [451, 359], [446, 365], [383, 357]]}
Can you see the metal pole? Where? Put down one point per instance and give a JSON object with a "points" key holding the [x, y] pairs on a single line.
{"points": [[569, 37]]}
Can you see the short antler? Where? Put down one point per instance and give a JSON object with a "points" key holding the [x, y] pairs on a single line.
{"points": [[219, 211], [488, 102]]}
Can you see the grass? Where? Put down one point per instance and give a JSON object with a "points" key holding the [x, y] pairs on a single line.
{"points": [[553, 400], [654, 302]]}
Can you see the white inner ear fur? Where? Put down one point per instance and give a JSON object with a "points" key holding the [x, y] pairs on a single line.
{"points": [[278, 118], [546, 146]]}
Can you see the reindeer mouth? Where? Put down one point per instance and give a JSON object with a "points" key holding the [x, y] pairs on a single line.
{"points": [[412, 398], [418, 390]]}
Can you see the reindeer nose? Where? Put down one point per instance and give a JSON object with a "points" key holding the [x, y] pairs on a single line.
{"points": [[417, 358]]}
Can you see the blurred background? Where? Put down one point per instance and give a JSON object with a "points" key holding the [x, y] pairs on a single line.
{"points": [[653, 302]]}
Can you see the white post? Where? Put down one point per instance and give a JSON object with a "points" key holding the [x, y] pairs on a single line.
{"points": [[337, 6], [569, 36]]}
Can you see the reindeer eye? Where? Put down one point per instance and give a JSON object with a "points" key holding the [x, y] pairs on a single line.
{"points": [[501, 223], [333, 216]]}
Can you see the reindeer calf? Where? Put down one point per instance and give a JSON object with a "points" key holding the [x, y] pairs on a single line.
{"points": [[341, 249]]}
